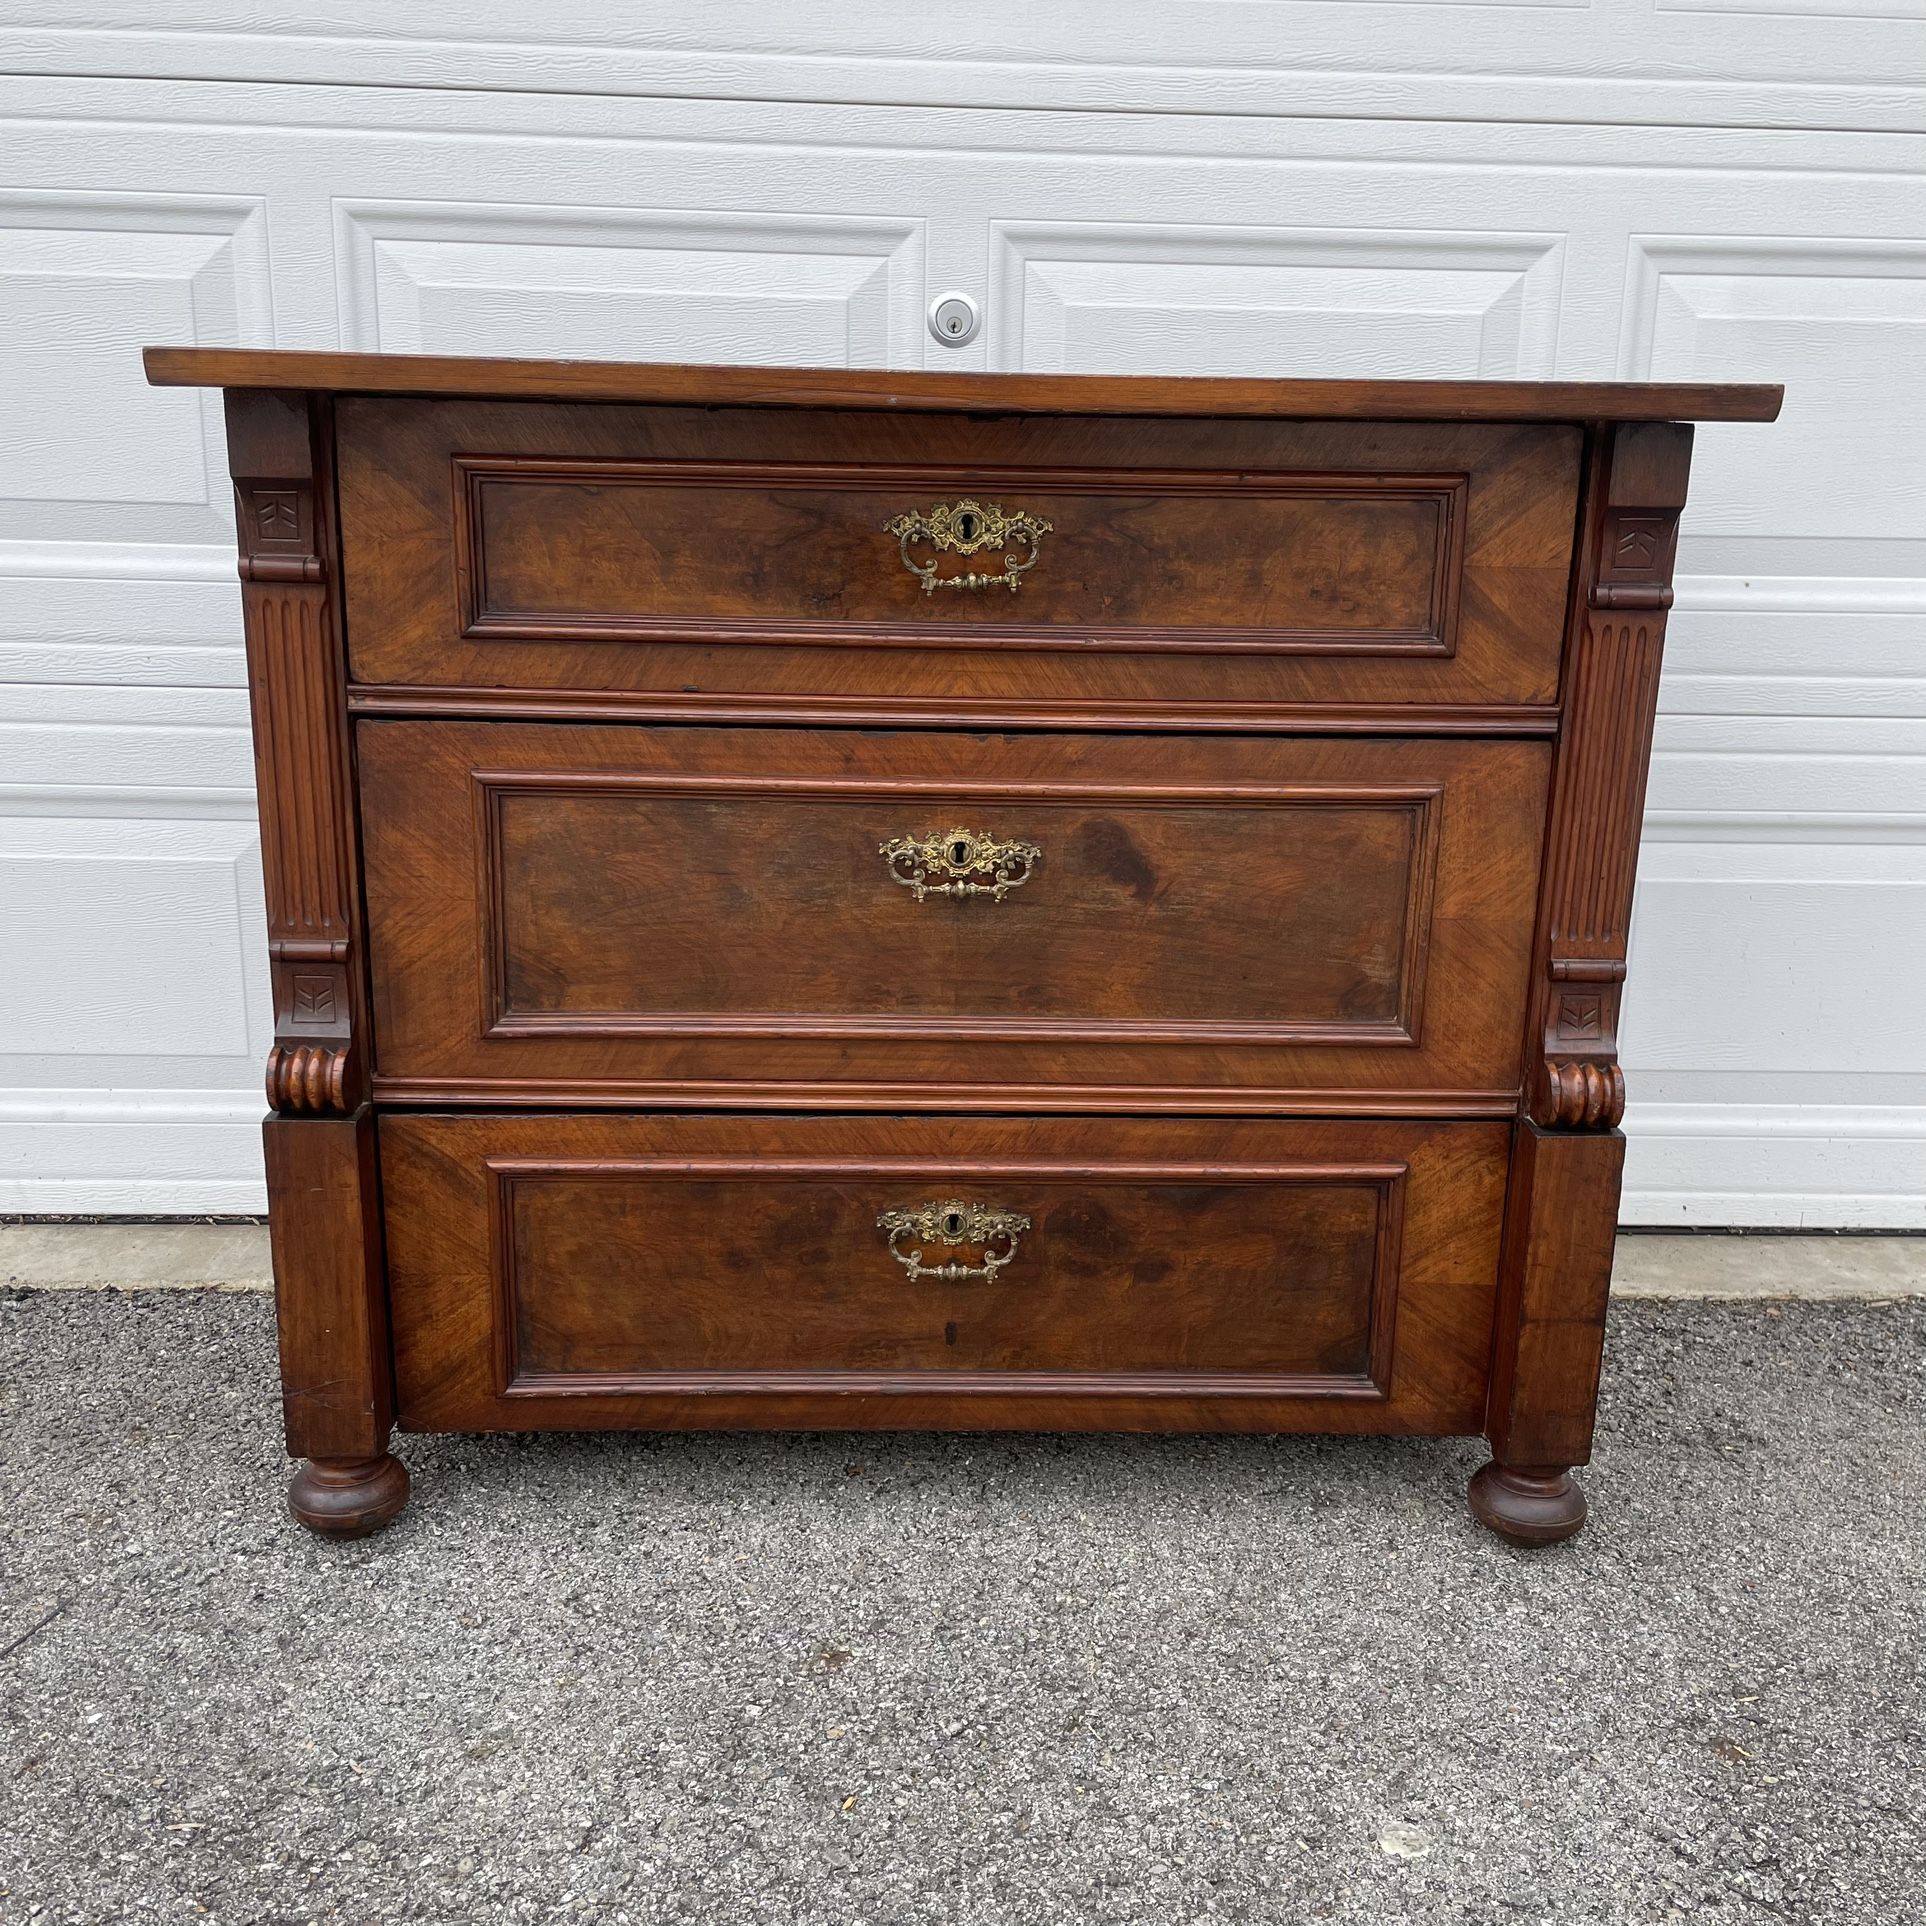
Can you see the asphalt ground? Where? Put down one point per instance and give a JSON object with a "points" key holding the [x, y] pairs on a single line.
{"points": [[870, 1680]]}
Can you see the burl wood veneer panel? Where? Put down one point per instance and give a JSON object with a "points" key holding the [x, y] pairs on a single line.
{"points": [[715, 1271]]}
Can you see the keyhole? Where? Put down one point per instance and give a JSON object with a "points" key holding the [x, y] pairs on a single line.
{"points": [[953, 1225], [958, 851], [953, 318], [967, 523]]}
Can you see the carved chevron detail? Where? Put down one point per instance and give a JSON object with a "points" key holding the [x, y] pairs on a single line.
{"points": [[275, 523]]}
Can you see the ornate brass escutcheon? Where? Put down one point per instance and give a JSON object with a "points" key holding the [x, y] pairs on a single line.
{"points": [[959, 862], [967, 527], [951, 1222]]}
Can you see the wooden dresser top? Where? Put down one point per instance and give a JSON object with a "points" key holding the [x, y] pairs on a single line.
{"points": [[938, 391]]}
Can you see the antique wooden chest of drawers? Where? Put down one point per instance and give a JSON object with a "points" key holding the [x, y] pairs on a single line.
{"points": [[818, 899]]}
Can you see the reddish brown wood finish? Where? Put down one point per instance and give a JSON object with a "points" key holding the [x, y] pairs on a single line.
{"points": [[705, 1272], [1179, 560], [740, 556], [1560, 1221], [326, 1238], [667, 907], [1327, 708], [1530, 1504], [331, 1305], [330, 1287], [348, 1497], [1565, 1187], [905, 1098], [280, 451], [1605, 746], [1066, 711], [941, 391]]}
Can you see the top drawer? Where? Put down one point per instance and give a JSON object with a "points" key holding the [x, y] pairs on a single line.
{"points": [[895, 562]]}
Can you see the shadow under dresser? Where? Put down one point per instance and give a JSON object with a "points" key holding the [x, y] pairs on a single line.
{"points": [[823, 899]]}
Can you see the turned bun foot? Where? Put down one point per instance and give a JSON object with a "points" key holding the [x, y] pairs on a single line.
{"points": [[348, 1497], [1535, 1504]]}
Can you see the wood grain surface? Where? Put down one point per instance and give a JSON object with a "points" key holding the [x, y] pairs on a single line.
{"points": [[665, 906], [717, 1271], [731, 554], [1236, 909], [1177, 560], [939, 390]]}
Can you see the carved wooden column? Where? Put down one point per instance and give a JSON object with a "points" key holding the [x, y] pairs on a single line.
{"points": [[330, 1291], [1563, 1211]]}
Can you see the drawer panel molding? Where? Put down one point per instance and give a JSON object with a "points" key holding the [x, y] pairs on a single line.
{"points": [[1342, 1348], [665, 909], [585, 1272], [1069, 710], [727, 557], [1159, 561], [908, 973]]}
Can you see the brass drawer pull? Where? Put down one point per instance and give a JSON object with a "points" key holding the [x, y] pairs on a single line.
{"points": [[963, 863], [966, 528], [951, 1222]]}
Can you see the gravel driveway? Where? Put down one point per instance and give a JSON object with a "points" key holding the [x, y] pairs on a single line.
{"points": [[875, 1681]]}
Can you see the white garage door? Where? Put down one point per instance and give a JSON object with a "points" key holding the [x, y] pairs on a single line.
{"points": [[1710, 189]]}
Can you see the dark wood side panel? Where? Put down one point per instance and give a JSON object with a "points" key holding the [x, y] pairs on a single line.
{"points": [[730, 555], [329, 1293], [669, 908], [592, 1272], [1562, 1216]]}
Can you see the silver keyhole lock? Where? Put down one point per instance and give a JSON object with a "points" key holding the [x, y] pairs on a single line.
{"points": [[953, 319]]}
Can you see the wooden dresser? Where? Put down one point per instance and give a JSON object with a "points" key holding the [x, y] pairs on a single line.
{"points": [[875, 901]]}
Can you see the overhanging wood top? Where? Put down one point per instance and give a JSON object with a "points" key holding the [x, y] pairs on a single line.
{"points": [[936, 391]]}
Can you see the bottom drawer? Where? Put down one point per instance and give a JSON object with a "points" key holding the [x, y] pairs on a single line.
{"points": [[976, 1273]]}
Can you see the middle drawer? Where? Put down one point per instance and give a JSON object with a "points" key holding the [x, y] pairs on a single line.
{"points": [[564, 912]]}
